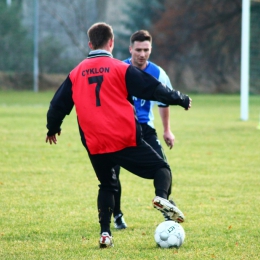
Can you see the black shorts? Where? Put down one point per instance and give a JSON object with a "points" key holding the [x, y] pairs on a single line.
{"points": [[141, 160]]}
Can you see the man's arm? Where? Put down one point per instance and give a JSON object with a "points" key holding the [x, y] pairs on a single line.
{"points": [[60, 106], [164, 111], [142, 85], [167, 134]]}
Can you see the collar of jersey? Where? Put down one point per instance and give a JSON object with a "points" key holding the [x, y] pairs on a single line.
{"points": [[99, 53]]}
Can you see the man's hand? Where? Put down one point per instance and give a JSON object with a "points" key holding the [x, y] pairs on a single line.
{"points": [[51, 139], [189, 104], [169, 139]]}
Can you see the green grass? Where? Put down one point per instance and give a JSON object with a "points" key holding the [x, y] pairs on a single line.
{"points": [[48, 193]]}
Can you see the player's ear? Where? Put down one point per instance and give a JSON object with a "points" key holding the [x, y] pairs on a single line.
{"points": [[110, 43], [90, 45], [130, 49]]}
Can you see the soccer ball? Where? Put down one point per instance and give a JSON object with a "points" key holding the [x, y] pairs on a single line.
{"points": [[169, 234]]}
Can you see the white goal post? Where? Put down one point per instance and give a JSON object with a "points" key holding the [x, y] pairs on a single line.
{"points": [[245, 58]]}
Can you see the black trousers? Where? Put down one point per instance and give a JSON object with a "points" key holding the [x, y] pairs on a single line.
{"points": [[149, 136], [141, 160]]}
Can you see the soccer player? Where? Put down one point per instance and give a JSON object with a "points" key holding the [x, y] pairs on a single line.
{"points": [[100, 87], [140, 49]]}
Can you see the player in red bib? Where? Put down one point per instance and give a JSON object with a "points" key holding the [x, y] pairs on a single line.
{"points": [[100, 88]]}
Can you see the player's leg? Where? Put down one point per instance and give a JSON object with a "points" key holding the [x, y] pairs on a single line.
{"points": [[105, 202], [117, 209], [119, 221], [150, 136], [143, 161]]}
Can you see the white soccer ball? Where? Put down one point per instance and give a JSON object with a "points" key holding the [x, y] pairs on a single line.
{"points": [[169, 234]]}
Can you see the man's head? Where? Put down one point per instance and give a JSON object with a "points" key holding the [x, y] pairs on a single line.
{"points": [[140, 48], [101, 36]]}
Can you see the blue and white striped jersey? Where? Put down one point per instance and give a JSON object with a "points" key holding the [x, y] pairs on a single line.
{"points": [[144, 108]]}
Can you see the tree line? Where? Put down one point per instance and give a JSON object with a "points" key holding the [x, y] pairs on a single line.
{"points": [[197, 42]]}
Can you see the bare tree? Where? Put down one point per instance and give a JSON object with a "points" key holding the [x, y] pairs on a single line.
{"points": [[75, 17]]}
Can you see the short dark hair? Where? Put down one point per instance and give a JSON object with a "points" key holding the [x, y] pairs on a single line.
{"points": [[99, 34], [140, 36]]}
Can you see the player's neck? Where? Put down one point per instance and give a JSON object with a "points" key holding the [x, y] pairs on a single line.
{"points": [[140, 67], [144, 66]]}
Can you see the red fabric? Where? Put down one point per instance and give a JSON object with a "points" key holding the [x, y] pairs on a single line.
{"points": [[100, 96]]}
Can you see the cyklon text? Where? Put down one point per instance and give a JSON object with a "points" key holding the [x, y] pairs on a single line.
{"points": [[95, 71]]}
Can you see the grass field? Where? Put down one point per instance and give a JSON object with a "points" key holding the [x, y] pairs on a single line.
{"points": [[48, 193]]}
